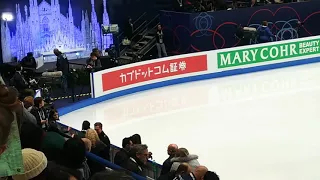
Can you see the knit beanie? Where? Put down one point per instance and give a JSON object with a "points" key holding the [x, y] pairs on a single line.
{"points": [[34, 163]]}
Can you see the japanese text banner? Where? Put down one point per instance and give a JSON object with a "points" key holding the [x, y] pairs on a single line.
{"points": [[153, 71]]}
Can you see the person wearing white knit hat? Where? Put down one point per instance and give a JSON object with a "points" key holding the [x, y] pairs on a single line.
{"points": [[34, 162]]}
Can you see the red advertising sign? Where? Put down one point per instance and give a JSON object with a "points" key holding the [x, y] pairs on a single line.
{"points": [[153, 71]]}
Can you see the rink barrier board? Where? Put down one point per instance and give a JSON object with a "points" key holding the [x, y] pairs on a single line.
{"points": [[202, 63], [91, 101]]}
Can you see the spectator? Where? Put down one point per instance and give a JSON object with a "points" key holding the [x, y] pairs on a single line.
{"points": [[184, 156], [98, 148], [6, 118], [35, 164], [52, 144], [28, 102], [172, 150], [29, 64], [93, 63], [53, 126], [103, 137], [62, 65], [27, 116], [31, 136], [96, 52], [9, 101], [73, 156], [264, 33], [183, 168], [18, 80], [29, 61], [58, 172], [160, 44], [138, 159], [122, 156], [197, 174], [53, 116], [38, 112], [136, 139], [85, 127]]}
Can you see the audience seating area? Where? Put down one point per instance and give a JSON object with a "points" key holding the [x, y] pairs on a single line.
{"points": [[49, 147]]}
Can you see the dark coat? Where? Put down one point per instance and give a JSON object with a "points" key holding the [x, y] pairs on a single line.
{"points": [[100, 150], [29, 62], [105, 139], [36, 112], [166, 165], [121, 157], [62, 64], [133, 166], [95, 64], [53, 127], [167, 176], [19, 82]]}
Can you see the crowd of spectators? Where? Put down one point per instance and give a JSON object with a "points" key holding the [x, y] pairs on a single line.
{"points": [[52, 152]]}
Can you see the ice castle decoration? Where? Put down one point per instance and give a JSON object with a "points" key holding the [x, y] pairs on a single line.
{"points": [[45, 28]]}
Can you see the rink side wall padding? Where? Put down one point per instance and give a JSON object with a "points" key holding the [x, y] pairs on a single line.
{"points": [[157, 73]]}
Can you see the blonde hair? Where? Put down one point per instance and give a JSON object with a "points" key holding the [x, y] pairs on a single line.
{"points": [[87, 143], [92, 135]]}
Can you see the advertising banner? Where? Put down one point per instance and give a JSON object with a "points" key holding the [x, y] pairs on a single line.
{"points": [[268, 53], [223, 61], [156, 70]]}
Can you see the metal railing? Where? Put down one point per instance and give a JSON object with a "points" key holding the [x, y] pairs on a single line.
{"points": [[143, 29], [152, 173]]}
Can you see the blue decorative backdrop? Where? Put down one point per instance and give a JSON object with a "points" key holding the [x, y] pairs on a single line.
{"points": [[191, 32], [73, 26]]}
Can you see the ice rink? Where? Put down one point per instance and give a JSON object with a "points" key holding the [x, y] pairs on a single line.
{"points": [[258, 126]]}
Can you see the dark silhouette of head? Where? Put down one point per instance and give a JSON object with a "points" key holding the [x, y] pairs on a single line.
{"points": [[85, 125], [136, 139]]}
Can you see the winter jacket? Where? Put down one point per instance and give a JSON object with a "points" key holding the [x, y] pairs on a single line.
{"points": [[192, 160], [265, 34], [28, 116], [166, 165]]}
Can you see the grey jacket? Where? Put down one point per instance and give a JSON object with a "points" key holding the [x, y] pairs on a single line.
{"points": [[192, 160], [27, 116]]}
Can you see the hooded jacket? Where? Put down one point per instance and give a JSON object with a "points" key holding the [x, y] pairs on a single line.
{"points": [[265, 34], [192, 160]]}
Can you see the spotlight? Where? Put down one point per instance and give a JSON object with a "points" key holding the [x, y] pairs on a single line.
{"points": [[7, 16]]}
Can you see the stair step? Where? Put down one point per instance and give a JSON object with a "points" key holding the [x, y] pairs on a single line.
{"points": [[126, 57], [130, 52], [149, 37], [136, 47], [143, 42]]}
